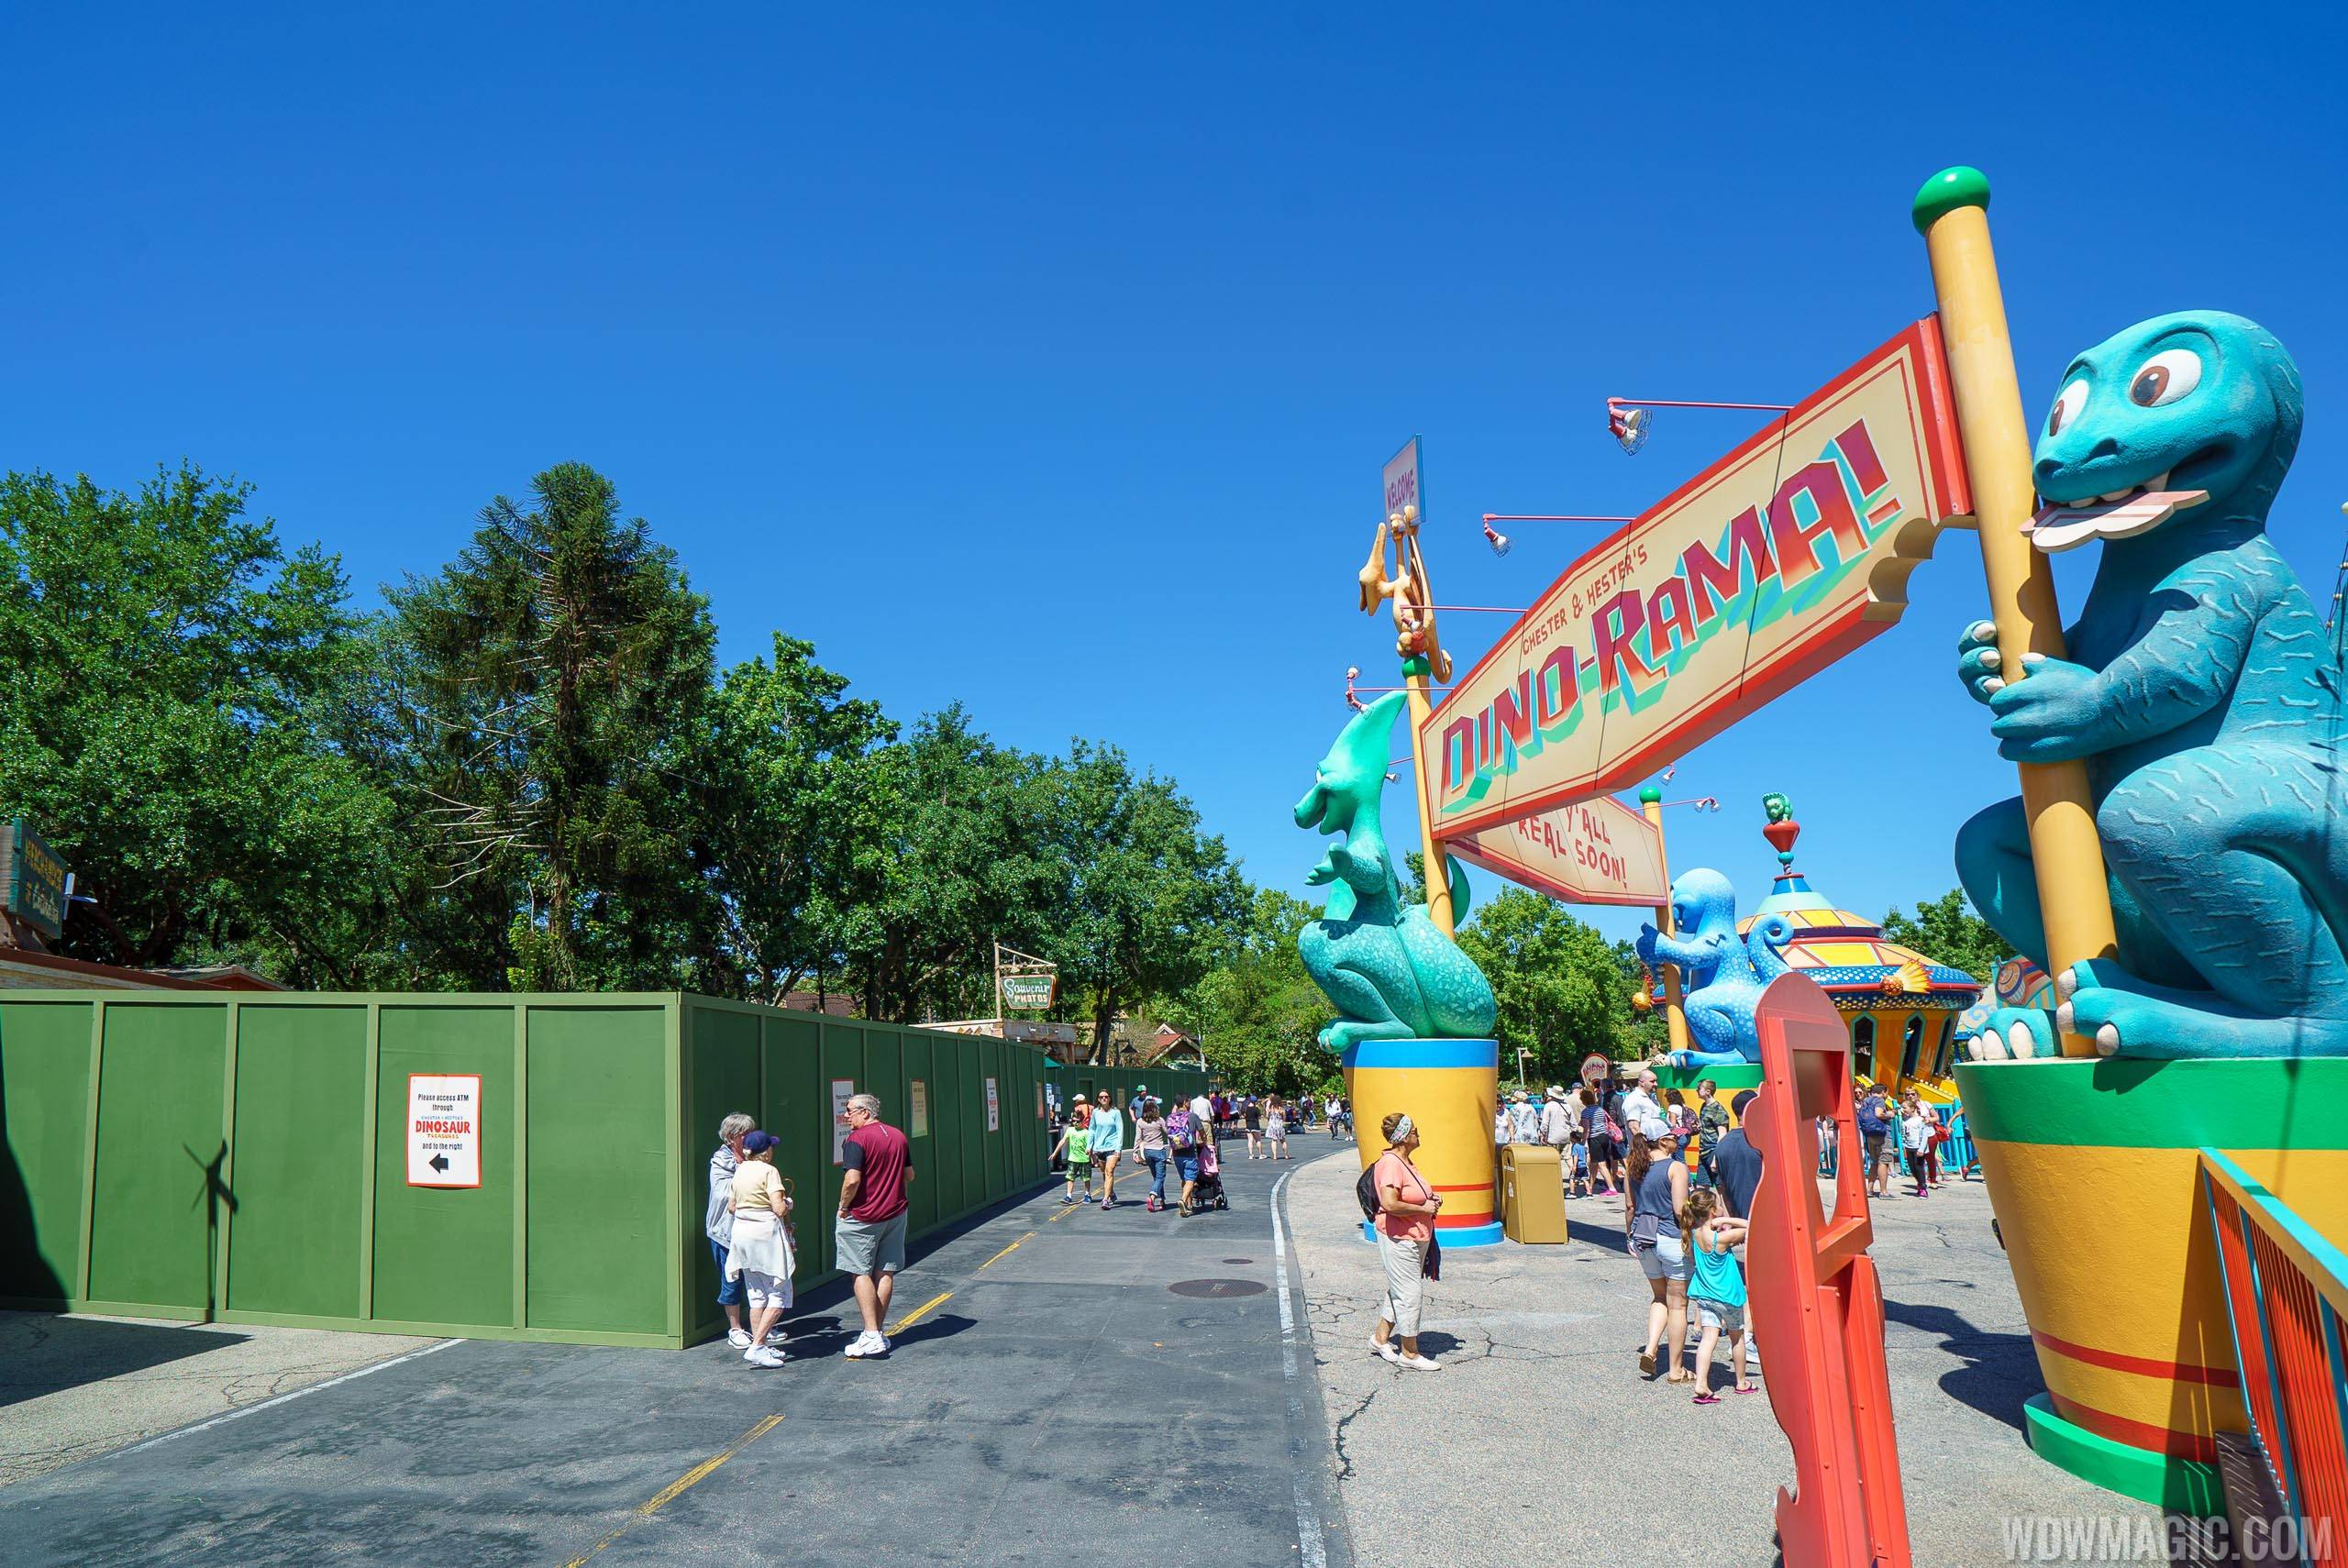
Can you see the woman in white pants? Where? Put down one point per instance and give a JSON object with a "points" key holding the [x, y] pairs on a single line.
{"points": [[761, 1254], [1406, 1211]]}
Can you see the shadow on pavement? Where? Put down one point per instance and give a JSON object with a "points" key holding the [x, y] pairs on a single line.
{"points": [[2000, 1370], [45, 1354]]}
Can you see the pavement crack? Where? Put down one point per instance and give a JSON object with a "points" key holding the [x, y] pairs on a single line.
{"points": [[1345, 1459]]}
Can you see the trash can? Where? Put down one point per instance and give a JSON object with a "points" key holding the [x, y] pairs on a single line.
{"points": [[1532, 1197]]}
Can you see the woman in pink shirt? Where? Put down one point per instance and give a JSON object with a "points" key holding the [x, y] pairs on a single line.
{"points": [[1406, 1211]]}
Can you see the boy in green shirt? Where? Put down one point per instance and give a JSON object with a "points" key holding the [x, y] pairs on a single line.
{"points": [[1075, 1143]]}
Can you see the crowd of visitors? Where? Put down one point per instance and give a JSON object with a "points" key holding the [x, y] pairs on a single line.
{"points": [[754, 1241], [1184, 1140], [1684, 1218]]}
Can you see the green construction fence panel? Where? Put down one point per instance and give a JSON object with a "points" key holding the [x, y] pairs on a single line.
{"points": [[245, 1157], [46, 1104]]}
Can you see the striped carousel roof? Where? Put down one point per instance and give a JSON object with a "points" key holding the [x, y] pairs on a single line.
{"points": [[1851, 958]]}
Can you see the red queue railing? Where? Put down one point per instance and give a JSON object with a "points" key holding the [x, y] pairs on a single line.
{"points": [[2287, 1295]]}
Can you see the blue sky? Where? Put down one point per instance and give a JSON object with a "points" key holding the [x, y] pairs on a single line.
{"points": [[1045, 358]]}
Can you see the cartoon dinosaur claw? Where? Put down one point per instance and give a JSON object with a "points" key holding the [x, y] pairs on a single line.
{"points": [[2019, 1033]]}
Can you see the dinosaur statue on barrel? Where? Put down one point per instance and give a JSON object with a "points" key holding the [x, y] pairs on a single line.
{"points": [[1390, 973], [2204, 697], [1724, 974]]}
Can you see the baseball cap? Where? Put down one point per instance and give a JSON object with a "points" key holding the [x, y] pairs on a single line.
{"points": [[759, 1142], [1654, 1129]]}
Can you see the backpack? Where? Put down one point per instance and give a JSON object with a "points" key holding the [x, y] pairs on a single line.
{"points": [[1183, 1129], [1365, 1191]]}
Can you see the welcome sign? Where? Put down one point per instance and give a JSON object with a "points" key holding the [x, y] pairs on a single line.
{"points": [[1776, 561]]}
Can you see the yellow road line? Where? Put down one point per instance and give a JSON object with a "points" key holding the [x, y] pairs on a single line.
{"points": [[915, 1315], [1007, 1251], [683, 1484]]}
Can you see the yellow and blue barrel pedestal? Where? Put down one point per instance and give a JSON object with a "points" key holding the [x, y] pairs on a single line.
{"points": [[2093, 1166], [1450, 1089]]}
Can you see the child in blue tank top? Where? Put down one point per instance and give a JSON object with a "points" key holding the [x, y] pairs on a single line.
{"points": [[1716, 1288]]}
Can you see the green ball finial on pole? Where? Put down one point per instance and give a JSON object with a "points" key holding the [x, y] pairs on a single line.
{"points": [[1649, 794], [1962, 186]]}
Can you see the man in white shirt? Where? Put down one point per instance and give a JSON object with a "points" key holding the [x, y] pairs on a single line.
{"points": [[1641, 1105], [1203, 1108]]}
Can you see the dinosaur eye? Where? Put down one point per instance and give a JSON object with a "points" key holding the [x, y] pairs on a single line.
{"points": [[2166, 377], [2066, 407]]}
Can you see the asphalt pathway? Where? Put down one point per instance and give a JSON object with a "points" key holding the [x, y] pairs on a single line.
{"points": [[1065, 1383]]}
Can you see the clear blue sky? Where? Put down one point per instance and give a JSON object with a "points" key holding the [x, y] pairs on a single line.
{"points": [[1045, 358]]}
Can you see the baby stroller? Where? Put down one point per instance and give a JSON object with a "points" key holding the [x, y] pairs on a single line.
{"points": [[1207, 1191]]}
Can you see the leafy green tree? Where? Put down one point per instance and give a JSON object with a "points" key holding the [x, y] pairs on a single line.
{"points": [[947, 851], [1256, 1013], [561, 677], [1147, 895], [1561, 990], [170, 675], [1946, 931], [799, 781]]}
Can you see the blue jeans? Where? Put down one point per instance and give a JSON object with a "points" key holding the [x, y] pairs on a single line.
{"points": [[1156, 1158], [729, 1291]]}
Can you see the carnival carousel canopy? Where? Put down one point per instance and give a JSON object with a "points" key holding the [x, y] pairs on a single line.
{"points": [[1851, 958]]}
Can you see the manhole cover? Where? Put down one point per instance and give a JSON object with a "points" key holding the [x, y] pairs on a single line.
{"points": [[1239, 1260], [1212, 1287]]}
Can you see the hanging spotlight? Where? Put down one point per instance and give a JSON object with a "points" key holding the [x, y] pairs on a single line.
{"points": [[1630, 425], [1501, 543], [1627, 424]]}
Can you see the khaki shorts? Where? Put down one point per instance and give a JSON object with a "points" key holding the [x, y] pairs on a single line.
{"points": [[875, 1246]]}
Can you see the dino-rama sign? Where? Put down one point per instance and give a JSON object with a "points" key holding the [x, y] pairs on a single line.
{"points": [[1776, 561]]}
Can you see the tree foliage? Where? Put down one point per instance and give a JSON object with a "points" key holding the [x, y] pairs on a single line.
{"points": [[171, 677], [1946, 931], [560, 674], [1560, 986]]}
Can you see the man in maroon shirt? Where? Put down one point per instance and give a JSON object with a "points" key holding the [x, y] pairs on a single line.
{"points": [[871, 1233]]}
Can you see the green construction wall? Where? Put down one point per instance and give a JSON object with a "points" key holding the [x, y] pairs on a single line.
{"points": [[243, 1158]]}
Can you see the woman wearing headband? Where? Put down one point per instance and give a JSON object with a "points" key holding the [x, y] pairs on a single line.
{"points": [[1406, 1211]]}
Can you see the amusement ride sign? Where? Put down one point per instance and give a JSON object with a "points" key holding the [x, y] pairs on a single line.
{"points": [[1776, 561]]}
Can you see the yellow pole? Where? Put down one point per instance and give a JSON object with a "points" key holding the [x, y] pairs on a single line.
{"points": [[1438, 869], [2074, 896], [1675, 1017]]}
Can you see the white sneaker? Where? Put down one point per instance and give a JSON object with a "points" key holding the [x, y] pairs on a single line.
{"points": [[738, 1338], [1386, 1351], [1418, 1363], [864, 1344], [764, 1355], [774, 1337]]}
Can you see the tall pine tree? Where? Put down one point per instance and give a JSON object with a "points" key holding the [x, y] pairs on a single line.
{"points": [[559, 688]]}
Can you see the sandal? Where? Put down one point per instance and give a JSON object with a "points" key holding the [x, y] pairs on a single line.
{"points": [[1748, 1388], [1682, 1377], [1647, 1363], [1708, 1399]]}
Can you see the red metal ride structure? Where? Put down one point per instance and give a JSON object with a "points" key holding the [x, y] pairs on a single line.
{"points": [[1816, 1300]]}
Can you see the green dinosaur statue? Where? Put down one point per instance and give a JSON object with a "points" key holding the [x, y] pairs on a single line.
{"points": [[1384, 967]]}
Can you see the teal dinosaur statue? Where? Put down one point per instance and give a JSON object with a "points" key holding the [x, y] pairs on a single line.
{"points": [[2205, 699], [1383, 965]]}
